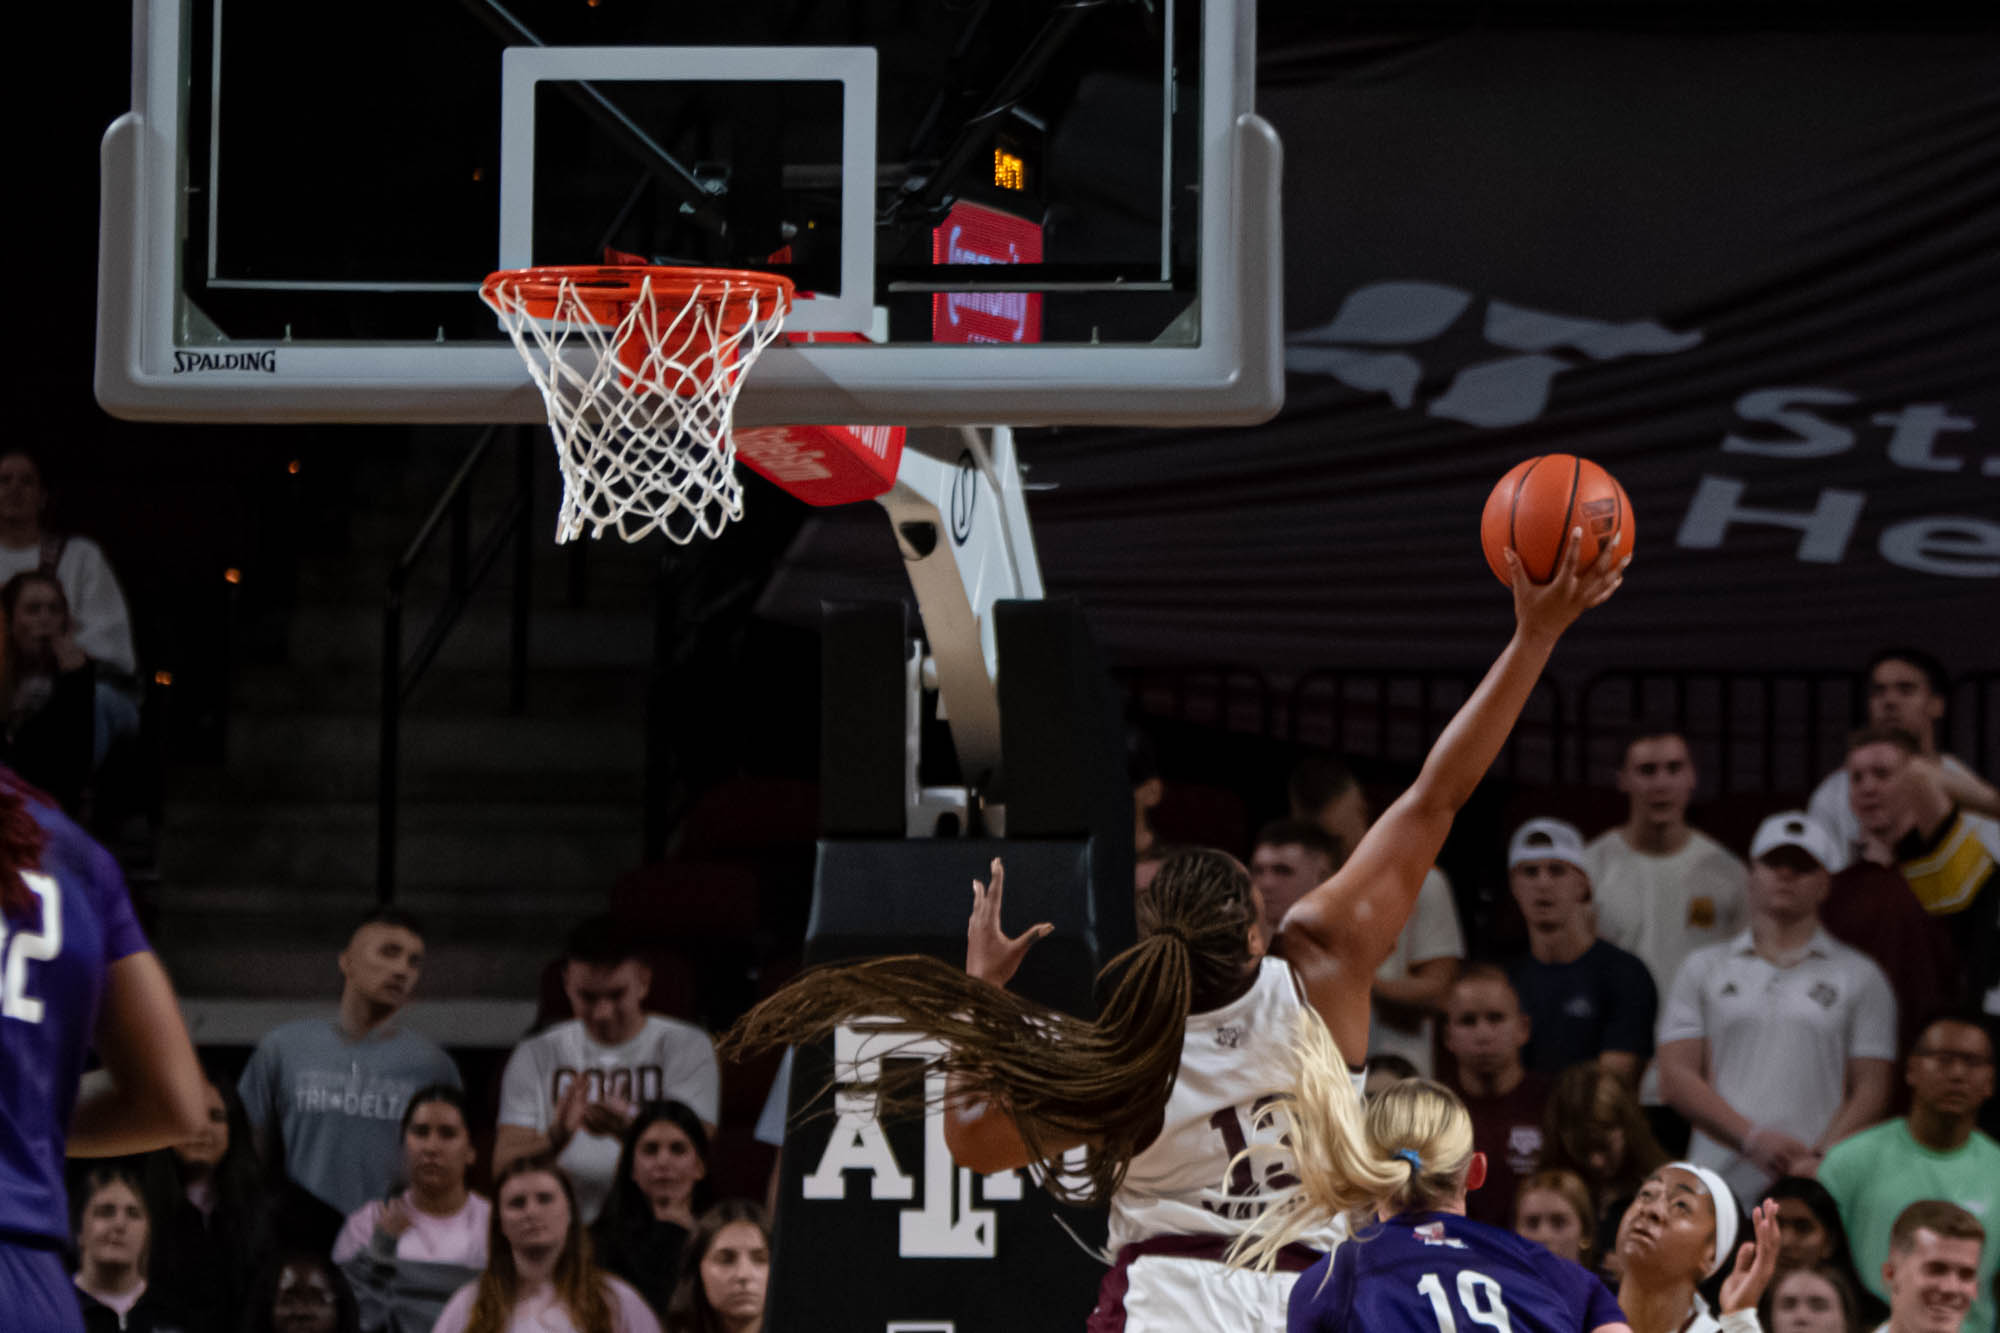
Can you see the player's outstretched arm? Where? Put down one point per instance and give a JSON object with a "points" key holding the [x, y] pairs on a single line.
{"points": [[979, 1128], [1338, 934], [151, 1091]]}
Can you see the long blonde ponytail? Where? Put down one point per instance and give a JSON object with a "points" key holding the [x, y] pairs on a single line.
{"points": [[1407, 1148]]}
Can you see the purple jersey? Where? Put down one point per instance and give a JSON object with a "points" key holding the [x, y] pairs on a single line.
{"points": [[1439, 1272], [53, 962]]}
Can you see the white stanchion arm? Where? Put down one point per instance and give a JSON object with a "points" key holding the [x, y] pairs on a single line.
{"points": [[961, 521]]}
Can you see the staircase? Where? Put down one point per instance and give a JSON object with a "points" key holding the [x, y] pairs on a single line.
{"points": [[512, 827]]}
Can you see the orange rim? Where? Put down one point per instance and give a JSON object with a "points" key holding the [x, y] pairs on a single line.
{"points": [[608, 290]]}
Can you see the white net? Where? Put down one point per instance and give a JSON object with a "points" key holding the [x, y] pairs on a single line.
{"points": [[641, 408]]}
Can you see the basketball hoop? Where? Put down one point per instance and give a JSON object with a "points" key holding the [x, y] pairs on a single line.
{"points": [[640, 368]]}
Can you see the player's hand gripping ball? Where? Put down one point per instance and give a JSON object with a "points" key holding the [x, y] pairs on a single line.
{"points": [[1539, 501]]}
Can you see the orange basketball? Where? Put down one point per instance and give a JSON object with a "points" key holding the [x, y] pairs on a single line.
{"points": [[1539, 501]]}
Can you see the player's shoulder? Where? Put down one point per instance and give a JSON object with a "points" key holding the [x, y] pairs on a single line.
{"points": [[1320, 1291], [1492, 1245], [1530, 1254], [1449, 1239], [66, 847]]}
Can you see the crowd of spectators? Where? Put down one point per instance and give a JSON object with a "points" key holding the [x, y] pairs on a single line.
{"points": [[336, 1186], [1811, 1022], [69, 676], [1764, 1015]]}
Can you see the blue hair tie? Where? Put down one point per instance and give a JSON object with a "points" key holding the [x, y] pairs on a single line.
{"points": [[1410, 1155]]}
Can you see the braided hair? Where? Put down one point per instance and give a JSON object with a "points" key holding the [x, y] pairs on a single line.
{"points": [[1105, 1079]]}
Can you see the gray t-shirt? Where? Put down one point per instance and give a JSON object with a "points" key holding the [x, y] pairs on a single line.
{"points": [[338, 1103]]}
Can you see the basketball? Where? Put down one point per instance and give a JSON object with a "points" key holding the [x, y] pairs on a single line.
{"points": [[1538, 502]]}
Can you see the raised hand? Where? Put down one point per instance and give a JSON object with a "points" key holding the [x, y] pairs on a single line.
{"points": [[989, 954], [394, 1219], [1756, 1261], [1552, 607]]}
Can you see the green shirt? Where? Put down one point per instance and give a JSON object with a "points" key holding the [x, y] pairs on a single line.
{"points": [[1879, 1172]]}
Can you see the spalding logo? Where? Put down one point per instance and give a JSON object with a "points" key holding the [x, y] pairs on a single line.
{"points": [[190, 362]]}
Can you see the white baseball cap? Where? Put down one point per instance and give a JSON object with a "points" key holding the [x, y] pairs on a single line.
{"points": [[1547, 840], [1796, 828]]}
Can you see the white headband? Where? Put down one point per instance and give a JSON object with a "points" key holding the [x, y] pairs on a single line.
{"points": [[1724, 1200]]}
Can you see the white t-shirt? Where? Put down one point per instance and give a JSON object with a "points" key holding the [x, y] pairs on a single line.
{"points": [[1779, 1038], [1431, 932], [667, 1060], [96, 604], [1663, 908], [1230, 1059], [538, 1311], [1831, 806], [459, 1239]]}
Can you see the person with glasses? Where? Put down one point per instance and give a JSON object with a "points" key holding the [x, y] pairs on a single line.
{"points": [[1935, 1152]]}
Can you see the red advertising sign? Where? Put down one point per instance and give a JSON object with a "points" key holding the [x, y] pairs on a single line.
{"points": [[974, 234], [824, 465]]}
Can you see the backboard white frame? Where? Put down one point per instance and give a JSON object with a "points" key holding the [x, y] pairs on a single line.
{"points": [[150, 367], [852, 67]]}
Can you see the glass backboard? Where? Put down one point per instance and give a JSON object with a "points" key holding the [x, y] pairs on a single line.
{"points": [[1031, 213]]}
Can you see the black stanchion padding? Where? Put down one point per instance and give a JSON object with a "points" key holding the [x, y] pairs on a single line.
{"points": [[1062, 746], [863, 725], [877, 1228]]}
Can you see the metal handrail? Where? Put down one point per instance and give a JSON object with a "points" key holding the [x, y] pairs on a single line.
{"points": [[1237, 698], [468, 570], [1738, 716], [1430, 715], [1756, 692]]}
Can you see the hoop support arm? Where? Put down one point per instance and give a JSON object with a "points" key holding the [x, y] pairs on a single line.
{"points": [[961, 522]]}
